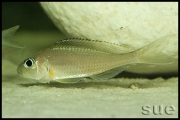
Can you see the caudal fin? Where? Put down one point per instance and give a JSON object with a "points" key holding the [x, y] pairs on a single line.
{"points": [[161, 51], [7, 38], [11, 49]]}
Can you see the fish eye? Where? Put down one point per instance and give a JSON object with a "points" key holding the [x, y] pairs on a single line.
{"points": [[29, 62]]}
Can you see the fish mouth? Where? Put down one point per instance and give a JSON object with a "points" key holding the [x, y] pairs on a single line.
{"points": [[20, 75], [19, 71]]}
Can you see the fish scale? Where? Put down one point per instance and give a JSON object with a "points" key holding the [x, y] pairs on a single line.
{"points": [[80, 61]]}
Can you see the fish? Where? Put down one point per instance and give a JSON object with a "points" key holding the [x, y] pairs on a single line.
{"points": [[74, 59], [11, 49], [7, 35]]}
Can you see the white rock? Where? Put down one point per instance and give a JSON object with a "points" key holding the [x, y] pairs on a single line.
{"points": [[131, 24]]}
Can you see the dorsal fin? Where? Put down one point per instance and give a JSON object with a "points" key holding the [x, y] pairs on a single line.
{"points": [[95, 44]]}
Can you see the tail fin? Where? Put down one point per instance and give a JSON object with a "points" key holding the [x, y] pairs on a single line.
{"points": [[11, 49], [161, 51], [6, 38]]}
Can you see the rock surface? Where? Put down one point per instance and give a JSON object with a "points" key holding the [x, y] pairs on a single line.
{"points": [[130, 24]]}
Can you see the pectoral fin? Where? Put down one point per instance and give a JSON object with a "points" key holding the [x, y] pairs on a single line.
{"points": [[109, 74]]}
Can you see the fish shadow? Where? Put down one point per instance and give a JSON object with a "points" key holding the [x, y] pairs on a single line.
{"points": [[82, 85]]}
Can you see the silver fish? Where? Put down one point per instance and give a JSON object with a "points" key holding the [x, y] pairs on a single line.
{"points": [[74, 59]]}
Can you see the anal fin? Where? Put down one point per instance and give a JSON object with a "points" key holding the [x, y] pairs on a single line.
{"points": [[69, 80], [109, 74]]}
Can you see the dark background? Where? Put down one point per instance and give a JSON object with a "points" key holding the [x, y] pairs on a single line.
{"points": [[29, 15]]}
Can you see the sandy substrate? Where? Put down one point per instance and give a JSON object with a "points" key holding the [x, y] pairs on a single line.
{"points": [[112, 98]]}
